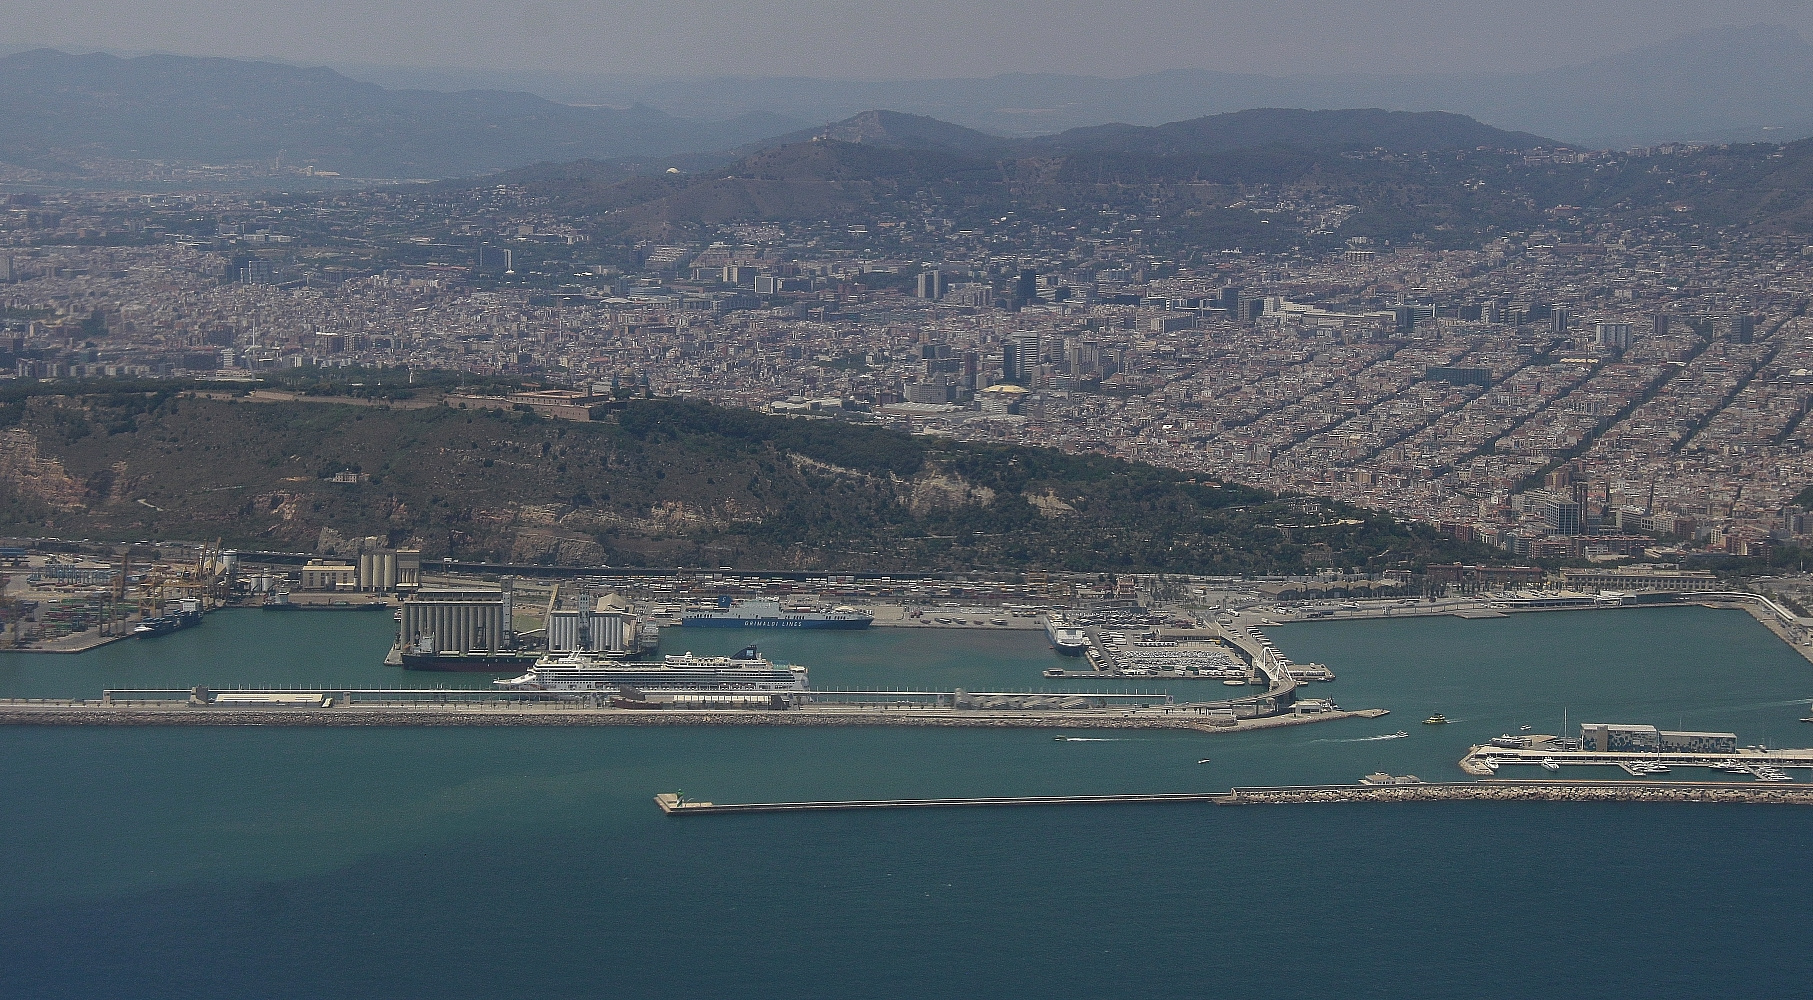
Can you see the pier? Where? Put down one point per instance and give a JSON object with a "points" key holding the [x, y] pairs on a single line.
{"points": [[1722, 793]]}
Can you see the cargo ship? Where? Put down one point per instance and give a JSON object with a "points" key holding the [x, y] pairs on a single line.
{"points": [[423, 655], [1065, 638], [475, 662], [746, 673], [177, 615], [762, 613]]}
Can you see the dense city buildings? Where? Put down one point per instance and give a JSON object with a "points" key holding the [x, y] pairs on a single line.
{"points": [[1589, 391]]}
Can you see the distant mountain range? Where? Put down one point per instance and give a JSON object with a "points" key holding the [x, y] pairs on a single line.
{"points": [[1193, 178], [1350, 128], [56, 107], [1727, 84], [1247, 179]]}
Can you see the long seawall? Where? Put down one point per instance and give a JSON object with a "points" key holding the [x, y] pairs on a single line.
{"points": [[1716, 793], [94, 714]]}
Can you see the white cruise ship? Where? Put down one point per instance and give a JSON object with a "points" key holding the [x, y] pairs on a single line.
{"points": [[746, 672]]}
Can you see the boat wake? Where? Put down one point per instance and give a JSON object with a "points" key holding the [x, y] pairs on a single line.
{"points": [[1092, 739], [1792, 702]]}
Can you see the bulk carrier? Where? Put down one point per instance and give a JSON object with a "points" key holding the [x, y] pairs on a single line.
{"points": [[763, 613], [423, 656]]}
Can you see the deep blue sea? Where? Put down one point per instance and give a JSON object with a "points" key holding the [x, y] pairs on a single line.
{"points": [[277, 862]]}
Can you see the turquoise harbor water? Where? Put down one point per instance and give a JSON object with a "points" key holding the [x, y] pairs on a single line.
{"points": [[266, 861]]}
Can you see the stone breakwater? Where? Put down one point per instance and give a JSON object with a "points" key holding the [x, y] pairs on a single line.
{"points": [[440, 715], [673, 805], [1540, 791]]}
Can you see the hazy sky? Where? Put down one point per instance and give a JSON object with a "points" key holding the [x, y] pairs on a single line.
{"points": [[899, 39]]}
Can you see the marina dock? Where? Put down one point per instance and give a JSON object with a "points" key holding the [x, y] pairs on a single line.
{"points": [[1484, 761], [1724, 793]]}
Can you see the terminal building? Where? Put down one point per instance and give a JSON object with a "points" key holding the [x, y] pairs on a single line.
{"points": [[1606, 738], [1639, 578]]}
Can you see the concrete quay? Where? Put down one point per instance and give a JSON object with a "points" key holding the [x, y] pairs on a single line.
{"points": [[80, 642], [90, 713], [891, 615]]}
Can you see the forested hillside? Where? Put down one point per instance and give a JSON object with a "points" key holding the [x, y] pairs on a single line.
{"points": [[659, 483]]}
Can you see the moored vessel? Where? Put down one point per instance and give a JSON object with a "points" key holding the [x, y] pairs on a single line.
{"points": [[1066, 638], [178, 615], [746, 673], [477, 661]]}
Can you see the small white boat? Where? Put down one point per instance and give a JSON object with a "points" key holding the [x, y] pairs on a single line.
{"points": [[1550, 765]]}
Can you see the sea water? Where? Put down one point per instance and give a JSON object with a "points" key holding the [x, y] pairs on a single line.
{"points": [[500, 862]]}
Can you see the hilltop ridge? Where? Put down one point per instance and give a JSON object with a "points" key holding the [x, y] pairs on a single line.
{"points": [[663, 482]]}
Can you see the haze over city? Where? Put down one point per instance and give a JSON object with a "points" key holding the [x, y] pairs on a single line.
{"points": [[917, 40]]}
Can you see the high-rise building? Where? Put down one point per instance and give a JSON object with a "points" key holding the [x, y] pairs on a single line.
{"points": [[1084, 356], [1611, 336], [1020, 359], [6, 270], [930, 285], [1564, 514], [1026, 289], [256, 271], [496, 260], [1558, 320], [1738, 327]]}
